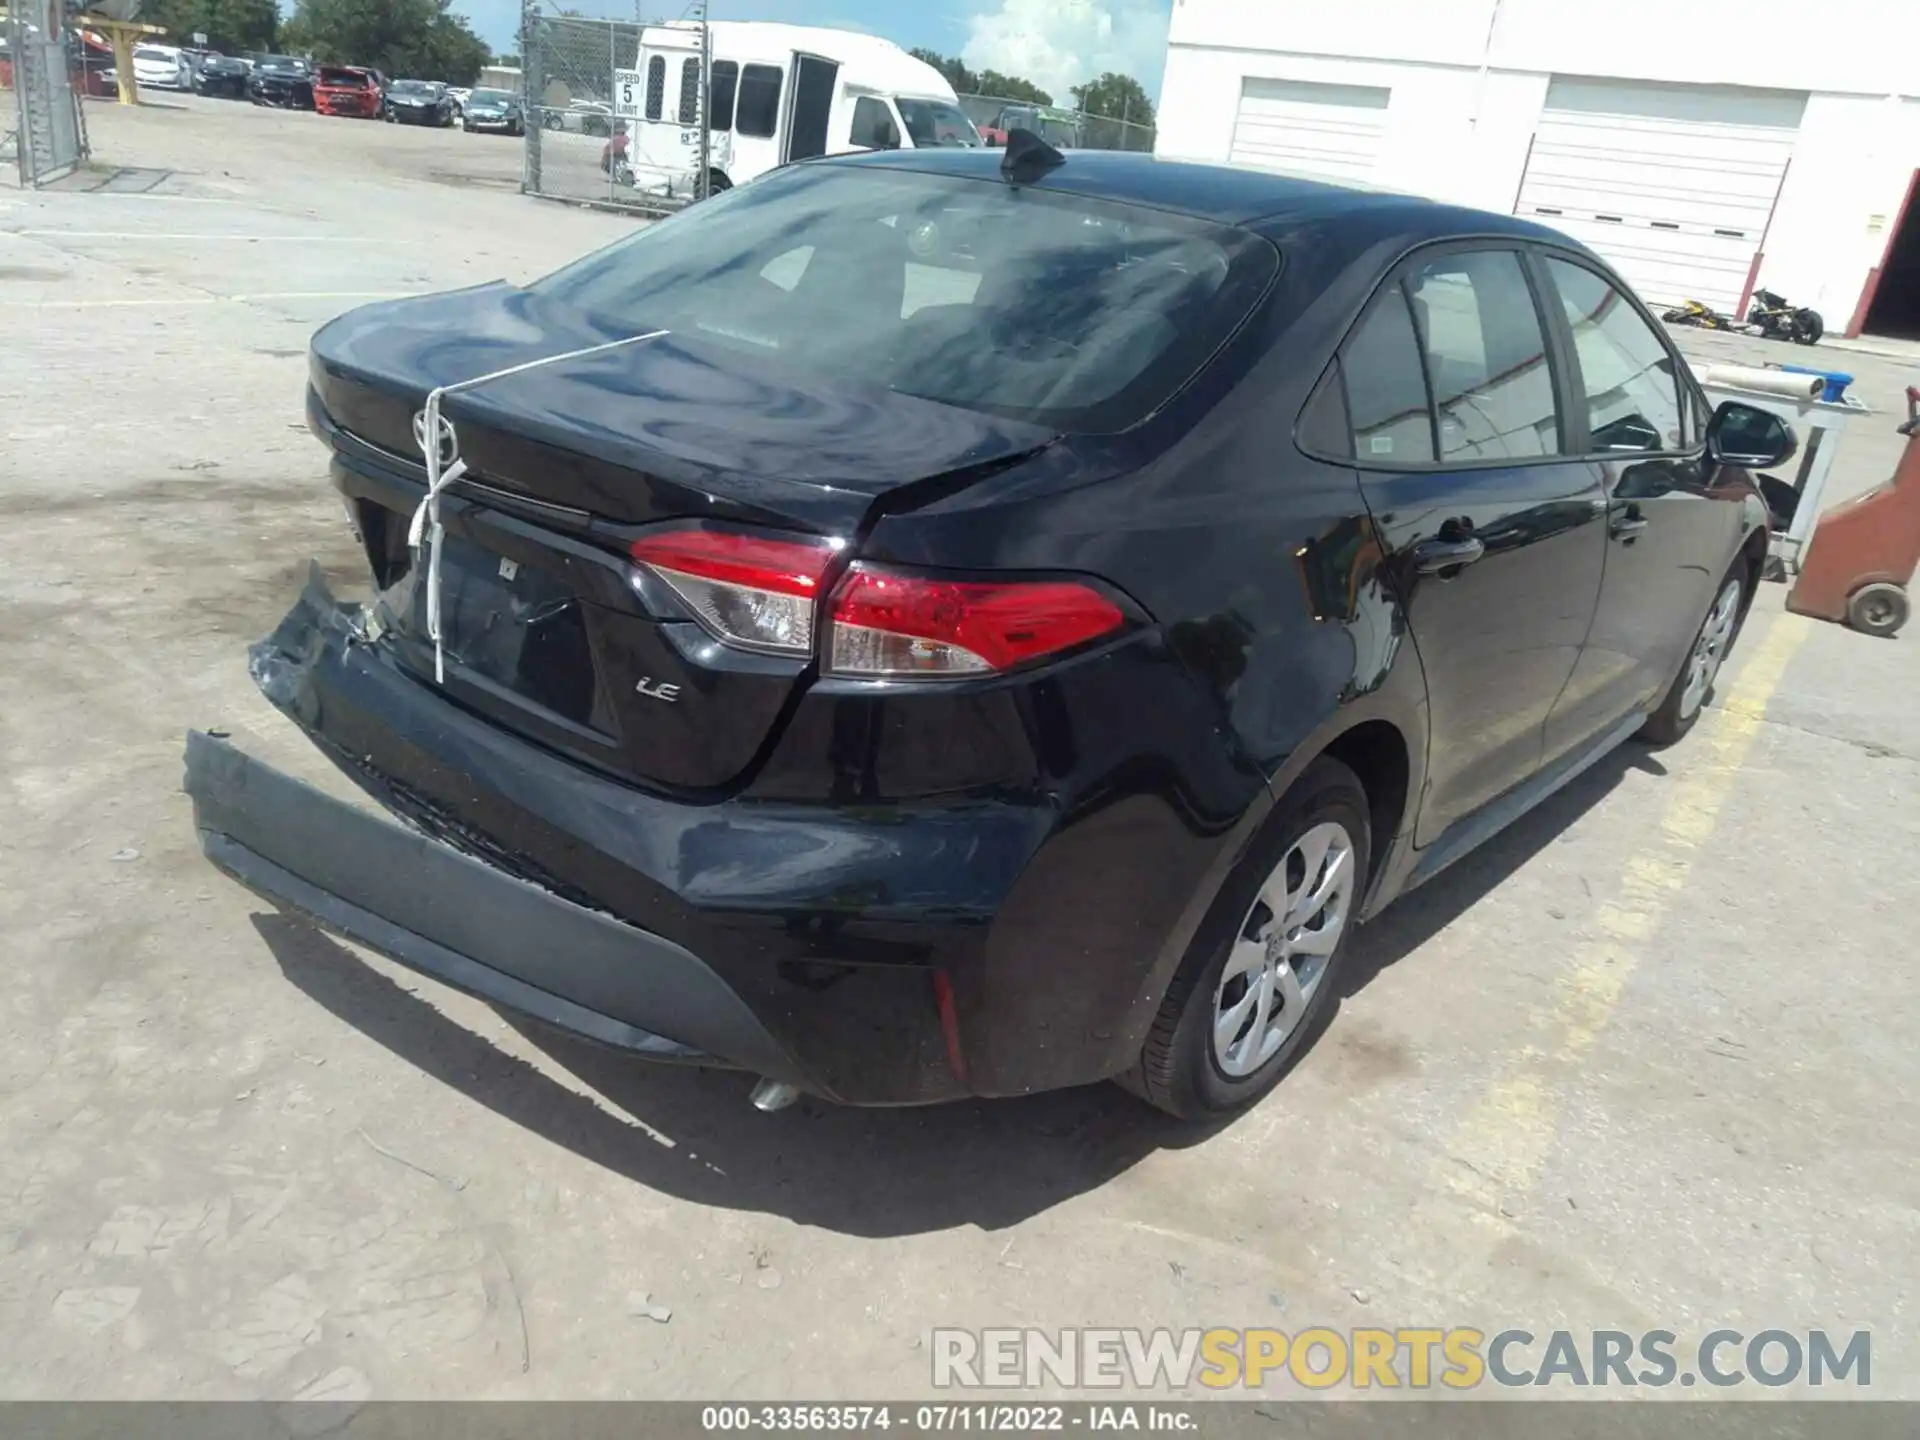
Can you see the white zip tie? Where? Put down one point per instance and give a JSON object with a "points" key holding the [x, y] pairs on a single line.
{"points": [[425, 525]]}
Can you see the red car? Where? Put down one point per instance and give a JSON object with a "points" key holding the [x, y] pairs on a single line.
{"points": [[349, 90]]}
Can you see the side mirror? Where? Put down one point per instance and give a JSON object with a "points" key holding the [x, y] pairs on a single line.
{"points": [[1749, 437]]}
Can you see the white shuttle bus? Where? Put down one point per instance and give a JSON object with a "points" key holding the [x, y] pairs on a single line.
{"points": [[780, 93]]}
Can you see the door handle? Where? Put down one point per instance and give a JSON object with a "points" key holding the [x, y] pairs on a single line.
{"points": [[1430, 557], [1627, 526]]}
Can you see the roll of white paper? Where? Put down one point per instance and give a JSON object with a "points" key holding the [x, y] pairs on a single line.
{"points": [[1766, 382]]}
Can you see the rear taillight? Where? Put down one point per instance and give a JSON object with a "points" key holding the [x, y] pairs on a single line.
{"points": [[759, 593], [890, 623], [747, 590]]}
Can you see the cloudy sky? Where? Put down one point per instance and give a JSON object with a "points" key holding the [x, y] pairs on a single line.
{"points": [[1054, 43]]}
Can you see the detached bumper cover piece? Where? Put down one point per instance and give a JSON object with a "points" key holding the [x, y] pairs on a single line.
{"points": [[461, 921]]}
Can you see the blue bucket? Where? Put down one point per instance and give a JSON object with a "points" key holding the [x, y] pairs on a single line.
{"points": [[1836, 382]]}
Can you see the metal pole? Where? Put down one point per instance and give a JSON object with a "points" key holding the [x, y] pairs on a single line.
{"points": [[703, 182], [533, 86], [613, 64]]}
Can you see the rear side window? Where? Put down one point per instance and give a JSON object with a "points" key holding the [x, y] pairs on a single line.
{"points": [[1386, 393], [656, 86], [689, 92], [1631, 385], [726, 79], [1077, 314], [1486, 356], [757, 112]]}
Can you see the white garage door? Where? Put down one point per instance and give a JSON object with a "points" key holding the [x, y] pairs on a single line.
{"points": [[1673, 184], [1330, 132]]}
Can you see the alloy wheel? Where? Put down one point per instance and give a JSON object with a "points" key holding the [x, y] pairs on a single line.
{"points": [[1284, 947], [1710, 649]]}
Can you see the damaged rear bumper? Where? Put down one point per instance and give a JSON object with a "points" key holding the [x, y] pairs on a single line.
{"points": [[753, 934], [464, 922]]}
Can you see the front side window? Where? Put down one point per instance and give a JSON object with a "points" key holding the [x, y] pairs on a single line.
{"points": [[726, 80], [873, 127], [1386, 392], [1486, 356], [656, 87], [1628, 375], [757, 112], [1076, 314]]}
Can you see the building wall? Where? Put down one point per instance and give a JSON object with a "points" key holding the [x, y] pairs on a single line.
{"points": [[1469, 79]]}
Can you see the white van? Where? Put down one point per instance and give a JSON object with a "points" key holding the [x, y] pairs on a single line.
{"points": [[780, 93]]}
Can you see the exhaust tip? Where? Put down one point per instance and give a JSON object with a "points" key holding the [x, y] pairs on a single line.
{"points": [[772, 1095]]}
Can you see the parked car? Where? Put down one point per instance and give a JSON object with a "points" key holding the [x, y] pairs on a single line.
{"points": [[419, 102], [494, 110], [905, 681], [282, 81], [1059, 128], [162, 67], [349, 90], [223, 75], [458, 94], [584, 117]]}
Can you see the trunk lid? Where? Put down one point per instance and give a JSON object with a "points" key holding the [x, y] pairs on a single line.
{"points": [[663, 429]]}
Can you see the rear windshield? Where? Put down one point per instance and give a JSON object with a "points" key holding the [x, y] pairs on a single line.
{"points": [[332, 76], [415, 87], [1078, 314], [492, 97]]}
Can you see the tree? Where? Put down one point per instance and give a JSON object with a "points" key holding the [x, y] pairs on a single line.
{"points": [[1115, 97], [233, 27], [982, 82], [1012, 87], [963, 80], [414, 39]]}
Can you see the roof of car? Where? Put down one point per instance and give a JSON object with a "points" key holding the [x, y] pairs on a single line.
{"points": [[1215, 192]]}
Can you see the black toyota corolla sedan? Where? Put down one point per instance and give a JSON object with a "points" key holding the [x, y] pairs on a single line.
{"points": [[939, 623]]}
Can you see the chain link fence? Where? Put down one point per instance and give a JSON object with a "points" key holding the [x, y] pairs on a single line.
{"points": [[41, 130], [994, 115], [580, 77]]}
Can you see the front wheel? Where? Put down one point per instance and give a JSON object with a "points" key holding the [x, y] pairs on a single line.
{"points": [[1712, 643], [1807, 327], [1262, 972]]}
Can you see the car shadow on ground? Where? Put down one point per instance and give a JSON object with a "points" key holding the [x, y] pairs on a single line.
{"points": [[871, 1173]]}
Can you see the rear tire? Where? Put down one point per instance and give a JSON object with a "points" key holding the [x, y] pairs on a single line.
{"points": [[1807, 327], [1270, 951], [1693, 687]]}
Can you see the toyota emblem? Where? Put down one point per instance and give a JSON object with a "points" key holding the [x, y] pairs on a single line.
{"points": [[449, 442]]}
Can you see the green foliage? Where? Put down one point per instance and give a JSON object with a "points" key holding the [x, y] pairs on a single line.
{"points": [[1012, 87], [233, 27], [1116, 97], [958, 75], [405, 39], [982, 82]]}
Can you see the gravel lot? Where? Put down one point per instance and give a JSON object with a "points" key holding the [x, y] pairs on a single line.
{"points": [[1646, 1061]]}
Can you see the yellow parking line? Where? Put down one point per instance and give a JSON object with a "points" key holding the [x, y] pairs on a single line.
{"points": [[1498, 1150]]}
